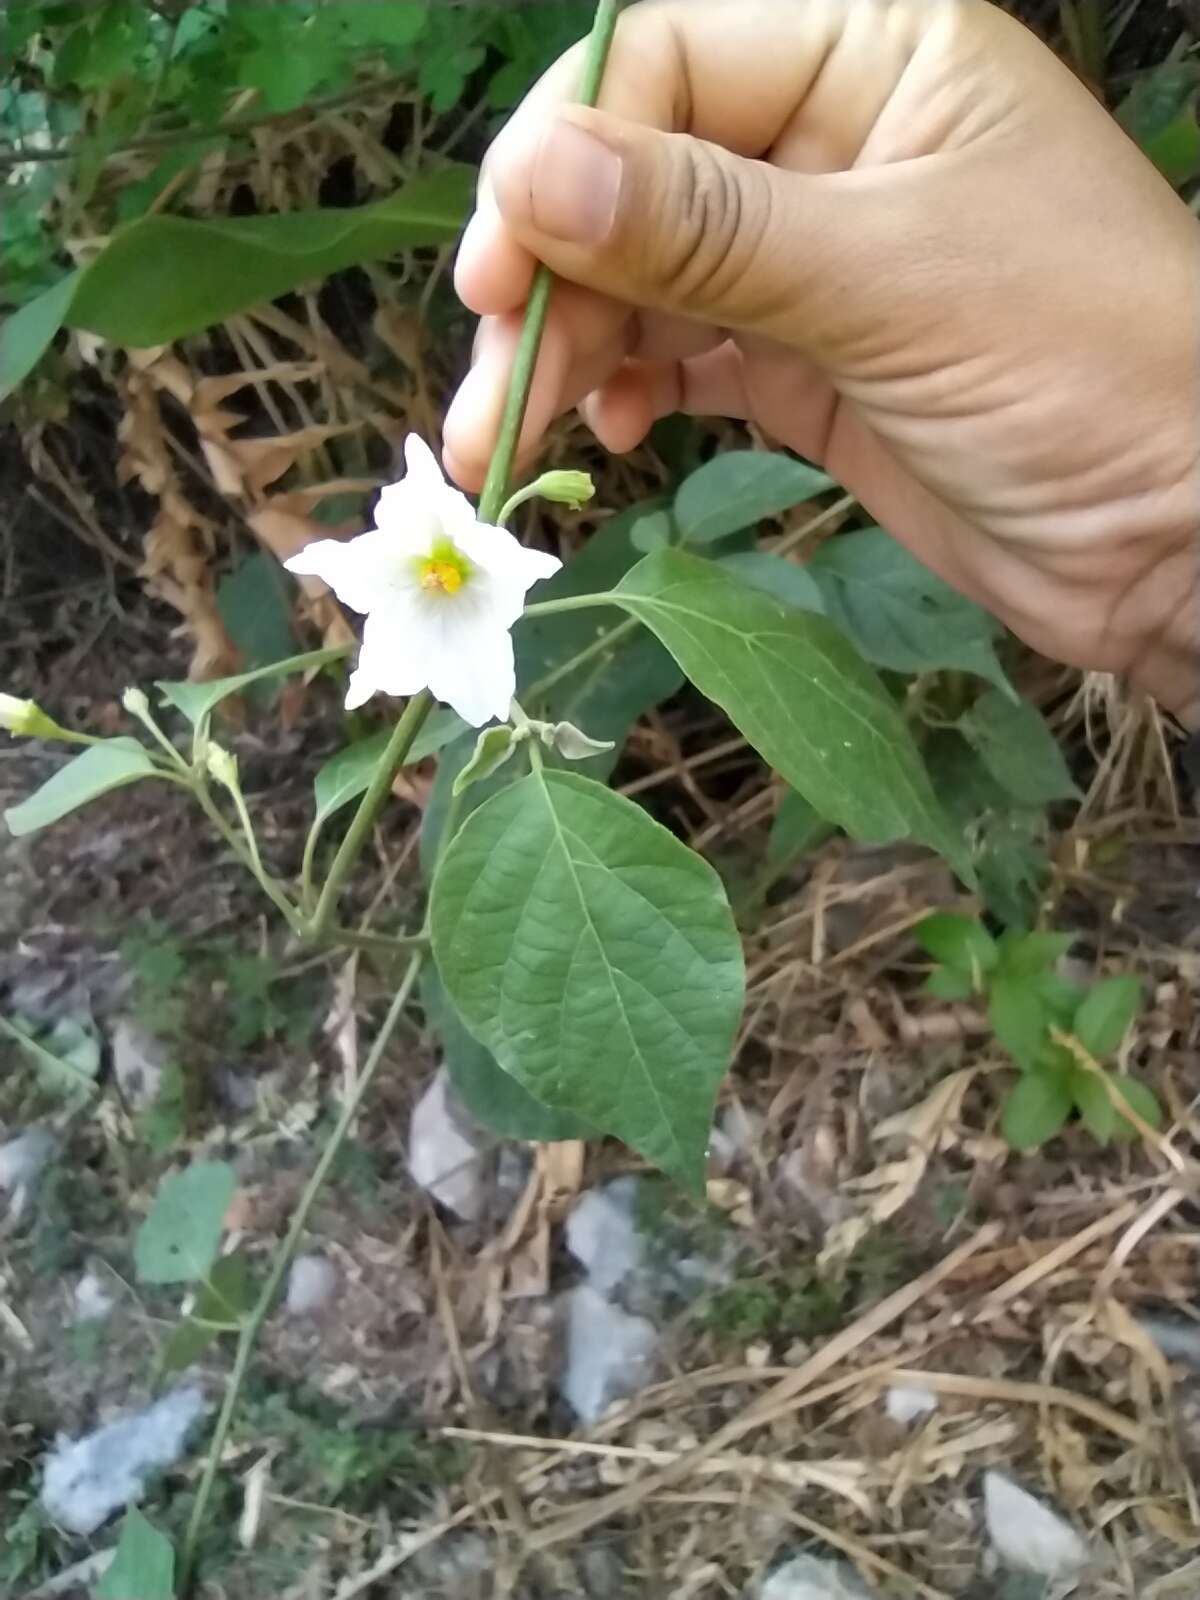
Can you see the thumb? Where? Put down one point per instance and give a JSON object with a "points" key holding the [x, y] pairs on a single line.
{"points": [[663, 220]]}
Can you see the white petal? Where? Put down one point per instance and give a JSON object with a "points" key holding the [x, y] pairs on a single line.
{"points": [[472, 668], [396, 648], [362, 571], [408, 516], [510, 567], [424, 469]]}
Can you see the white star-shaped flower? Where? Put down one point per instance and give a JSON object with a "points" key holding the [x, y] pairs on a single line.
{"points": [[440, 590]]}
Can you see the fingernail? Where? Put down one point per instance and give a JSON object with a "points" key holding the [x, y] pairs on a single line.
{"points": [[574, 183]]}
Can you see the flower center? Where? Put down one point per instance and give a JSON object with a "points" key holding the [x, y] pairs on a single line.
{"points": [[444, 570]]}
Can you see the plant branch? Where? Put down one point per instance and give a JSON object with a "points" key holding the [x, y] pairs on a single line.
{"points": [[266, 882], [253, 1324], [390, 762]]}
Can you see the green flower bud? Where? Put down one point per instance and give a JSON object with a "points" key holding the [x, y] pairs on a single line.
{"points": [[222, 766], [137, 703], [567, 488], [27, 720]]}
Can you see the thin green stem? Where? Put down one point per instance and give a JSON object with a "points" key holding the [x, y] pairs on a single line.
{"points": [[380, 943], [268, 885], [598, 646], [306, 866], [571, 602], [495, 487], [398, 746], [253, 1324]]}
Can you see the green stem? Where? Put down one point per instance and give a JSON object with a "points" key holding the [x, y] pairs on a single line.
{"points": [[571, 602], [398, 746], [248, 860], [598, 646], [253, 1324], [380, 943], [495, 487]]}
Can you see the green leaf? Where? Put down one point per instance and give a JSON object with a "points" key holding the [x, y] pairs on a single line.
{"points": [[946, 984], [178, 1241], [224, 1298], [1023, 955], [95, 771], [1106, 1013], [25, 336], [796, 689], [198, 700], [67, 1058], [492, 1096], [739, 488], [255, 605], [651, 531], [1018, 749], [775, 575], [347, 775], [1018, 1019], [796, 830], [1036, 1109], [898, 614], [596, 958], [166, 276], [960, 943], [143, 1567], [1140, 1100], [493, 747], [1059, 996], [1096, 1109], [607, 692], [1159, 113]]}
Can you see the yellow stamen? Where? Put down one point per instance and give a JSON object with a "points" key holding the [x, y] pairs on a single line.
{"points": [[444, 575]]}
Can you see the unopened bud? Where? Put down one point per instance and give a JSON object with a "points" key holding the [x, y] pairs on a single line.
{"points": [[27, 719], [222, 765], [567, 488], [137, 703]]}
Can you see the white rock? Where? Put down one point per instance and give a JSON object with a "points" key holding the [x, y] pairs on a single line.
{"points": [[311, 1283], [93, 1298], [443, 1155], [809, 1578], [735, 1135], [87, 1480], [1026, 1535], [610, 1353], [602, 1234], [22, 1158], [138, 1060], [906, 1404]]}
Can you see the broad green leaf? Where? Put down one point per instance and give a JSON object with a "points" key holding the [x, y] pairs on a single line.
{"points": [[197, 700], [1037, 1108], [223, 1299], [898, 614], [255, 605], [1018, 749], [166, 276], [143, 1567], [1059, 995], [1013, 865], [1023, 955], [596, 958], [1106, 1013], [804, 699], [178, 1241], [1018, 1019], [961, 943], [786, 580], [492, 1096], [1159, 112], [1094, 1103], [347, 775], [493, 747], [607, 692], [95, 771], [26, 334], [651, 532], [739, 488], [797, 829], [1140, 1100], [946, 984]]}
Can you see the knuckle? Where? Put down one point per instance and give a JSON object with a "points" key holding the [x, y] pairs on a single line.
{"points": [[706, 235]]}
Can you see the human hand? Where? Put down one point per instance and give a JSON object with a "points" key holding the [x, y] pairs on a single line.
{"points": [[906, 242]]}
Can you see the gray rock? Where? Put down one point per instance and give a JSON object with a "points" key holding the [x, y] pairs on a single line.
{"points": [[311, 1284], [23, 1158], [86, 1480], [445, 1153], [905, 1404], [610, 1353], [138, 1060], [1026, 1535], [93, 1298], [602, 1234], [810, 1578]]}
